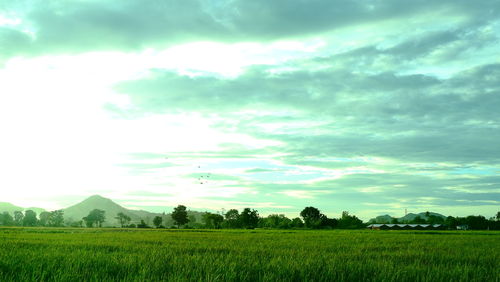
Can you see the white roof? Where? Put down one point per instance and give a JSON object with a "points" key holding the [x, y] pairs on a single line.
{"points": [[405, 225]]}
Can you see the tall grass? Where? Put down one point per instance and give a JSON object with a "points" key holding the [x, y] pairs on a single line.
{"points": [[240, 255]]}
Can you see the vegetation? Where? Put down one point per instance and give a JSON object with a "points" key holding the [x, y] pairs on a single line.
{"points": [[49, 254], [312, 218], [180, 216], [157, 221], [96, 217], [123, 219]]}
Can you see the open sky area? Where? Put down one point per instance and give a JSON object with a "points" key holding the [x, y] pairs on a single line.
{"points": [[366, 106]]}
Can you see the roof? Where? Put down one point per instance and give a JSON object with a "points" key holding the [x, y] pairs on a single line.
{"points": [[405, 225]]}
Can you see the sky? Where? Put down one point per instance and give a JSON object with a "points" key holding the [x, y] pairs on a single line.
{"points": [[367, 106]]}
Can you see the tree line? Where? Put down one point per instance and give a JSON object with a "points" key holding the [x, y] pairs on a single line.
{"points": [[309, 218]]}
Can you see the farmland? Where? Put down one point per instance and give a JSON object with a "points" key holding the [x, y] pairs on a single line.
{"points": [[33, 254]]}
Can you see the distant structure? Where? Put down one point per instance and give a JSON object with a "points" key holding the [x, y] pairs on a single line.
{"points": [[406, 226]]}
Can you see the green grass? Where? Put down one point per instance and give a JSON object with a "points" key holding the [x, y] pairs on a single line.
{"points": [[45, 254]]}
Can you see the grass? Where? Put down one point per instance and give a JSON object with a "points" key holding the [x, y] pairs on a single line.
{"points": [[46, 254]]}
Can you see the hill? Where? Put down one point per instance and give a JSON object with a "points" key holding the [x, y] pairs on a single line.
{"points": [[412, 216], [407, 218], [76, 212], [82, 209], [10, 208]]}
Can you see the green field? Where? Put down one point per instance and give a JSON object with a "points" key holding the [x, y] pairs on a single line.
{"points": [[39, 254]]}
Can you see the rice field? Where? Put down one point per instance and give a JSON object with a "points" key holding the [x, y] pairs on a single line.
{"points": [[47, 254]]}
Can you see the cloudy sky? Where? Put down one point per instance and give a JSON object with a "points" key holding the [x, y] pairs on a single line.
{"points": [[367, 106]]}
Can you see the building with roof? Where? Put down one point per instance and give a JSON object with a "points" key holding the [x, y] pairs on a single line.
{"points": [[406, 226]]}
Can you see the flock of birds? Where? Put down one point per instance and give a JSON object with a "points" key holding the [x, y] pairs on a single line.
{"points": [[202, 179]]}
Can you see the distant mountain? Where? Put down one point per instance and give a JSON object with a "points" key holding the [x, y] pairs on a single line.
{"points": [[10, 208], [82, 209], [382, 219], [76, 212], [409, 217]]}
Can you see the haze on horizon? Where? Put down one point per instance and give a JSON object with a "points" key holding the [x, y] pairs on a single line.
{"points": [[365, 106]]}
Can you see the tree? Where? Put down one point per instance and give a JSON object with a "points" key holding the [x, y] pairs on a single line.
{"points": [[297, 223], [277, 221], [232, 218], [6, 219], [142, 224], [418, 220], [349, 221], [498, 216], [192, 218], [123, 219], [249, 218], [96, 216], [30, 218], [329, 222], [476, 222], [311, 216], [18, 218], [212, 220], [56, 218], [88, 221], [179, 215], [44, 218], [157, 221]]}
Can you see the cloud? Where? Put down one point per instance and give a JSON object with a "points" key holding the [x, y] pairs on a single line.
{"points": [[79, 26], [386, 102]]}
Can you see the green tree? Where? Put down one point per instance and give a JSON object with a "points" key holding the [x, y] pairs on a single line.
{"points": [[478, 222], [6, 219], [311, 216], [297, 223], [349, 221], [418, 220], [451, 222], [56, 218], [18, 218], [277, 221], [328, 222], [123, 219], [96, 217], [44, 218], [232, 218], [30, 218], [179, 215], [142, 224], [212, 220], [498, 216], [157, 221], [249, 218], [192, 218], [88, 221]]}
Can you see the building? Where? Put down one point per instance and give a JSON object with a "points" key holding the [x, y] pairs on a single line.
{"points": [[406, 226]]}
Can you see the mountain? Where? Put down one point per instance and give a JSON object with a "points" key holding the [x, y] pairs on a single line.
{"points": [[411, 216], [82, 209], [407, 218], [76, 212], [10, 208], [382, 219]]}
